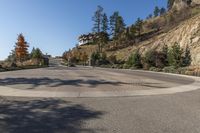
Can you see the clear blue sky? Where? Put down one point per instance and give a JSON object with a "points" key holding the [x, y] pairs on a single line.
{"points": [[54, 25]]}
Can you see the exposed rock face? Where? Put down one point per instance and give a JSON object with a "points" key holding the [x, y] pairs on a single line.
{"points": [[195, 2], [187, 33], [181, 4]]}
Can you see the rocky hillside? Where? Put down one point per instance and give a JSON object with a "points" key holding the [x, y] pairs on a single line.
{"points": [[181, 4], [182, 27], [187, 33]]}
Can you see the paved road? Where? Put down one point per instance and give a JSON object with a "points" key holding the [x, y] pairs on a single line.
{"points": [[172, 113], [60, 81]]}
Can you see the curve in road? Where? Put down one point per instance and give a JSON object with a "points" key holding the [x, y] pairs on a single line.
{"points": [[92, 82]]}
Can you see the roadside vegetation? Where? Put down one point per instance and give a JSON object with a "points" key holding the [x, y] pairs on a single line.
{"points": [[20, 58], [172, 59], [110, 34]]}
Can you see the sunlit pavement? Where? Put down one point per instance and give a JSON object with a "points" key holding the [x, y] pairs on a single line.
{"points": [[169, 113], [60, 82]]}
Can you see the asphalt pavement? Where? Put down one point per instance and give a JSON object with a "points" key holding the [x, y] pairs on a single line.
{"points": [[174, 112]]}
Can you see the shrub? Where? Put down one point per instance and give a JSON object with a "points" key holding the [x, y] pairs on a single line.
{"points": [[112, 59], [103, 59], [155, 69], [182, 70], [170, 69], [150, 57], [95, 58], [126, 66], [103, 56], [155, 59], [145, 66], [175, 56], [152, 69], [134, 60]]}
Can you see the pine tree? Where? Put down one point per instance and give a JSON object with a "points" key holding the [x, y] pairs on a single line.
{"points": [[156, 11], [105, 23], [120, 26], [165, 50], [175, 56], [162, 11], [113, 21], [12, 56], [21, 48], [97, 18], [32, 52], [133, 31], [187, 57], [149, 16], [36, 54], [138, 25]]}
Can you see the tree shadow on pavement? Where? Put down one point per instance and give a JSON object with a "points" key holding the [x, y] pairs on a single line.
{"points": [[35, 82], [46, 116]]}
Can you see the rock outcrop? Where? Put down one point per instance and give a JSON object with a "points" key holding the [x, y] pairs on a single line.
{"points": [[182, 4], [179, 5], [187, 33], [195, 2]]}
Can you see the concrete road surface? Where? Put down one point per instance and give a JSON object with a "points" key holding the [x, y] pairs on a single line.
{"points": [[174, 112]]}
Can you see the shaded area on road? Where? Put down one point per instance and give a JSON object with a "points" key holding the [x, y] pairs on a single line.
{"points": [[81, 79], [45, 116], [48, 82]]}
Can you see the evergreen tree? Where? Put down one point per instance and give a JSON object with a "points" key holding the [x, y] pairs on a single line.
{"points": [[33, 51], [165, 50], [162, 11], [105, 23], [149, 16], [95, 56], [135, 60], [21, 48], [101, 39], [133, 31], [97, 18], [175, 56], [113, 20], [150, 58], [36, 54], [12, 56], [117, 25], [120, 26], [139, 24], [127, 33], [156, 11], [187, 57]]}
